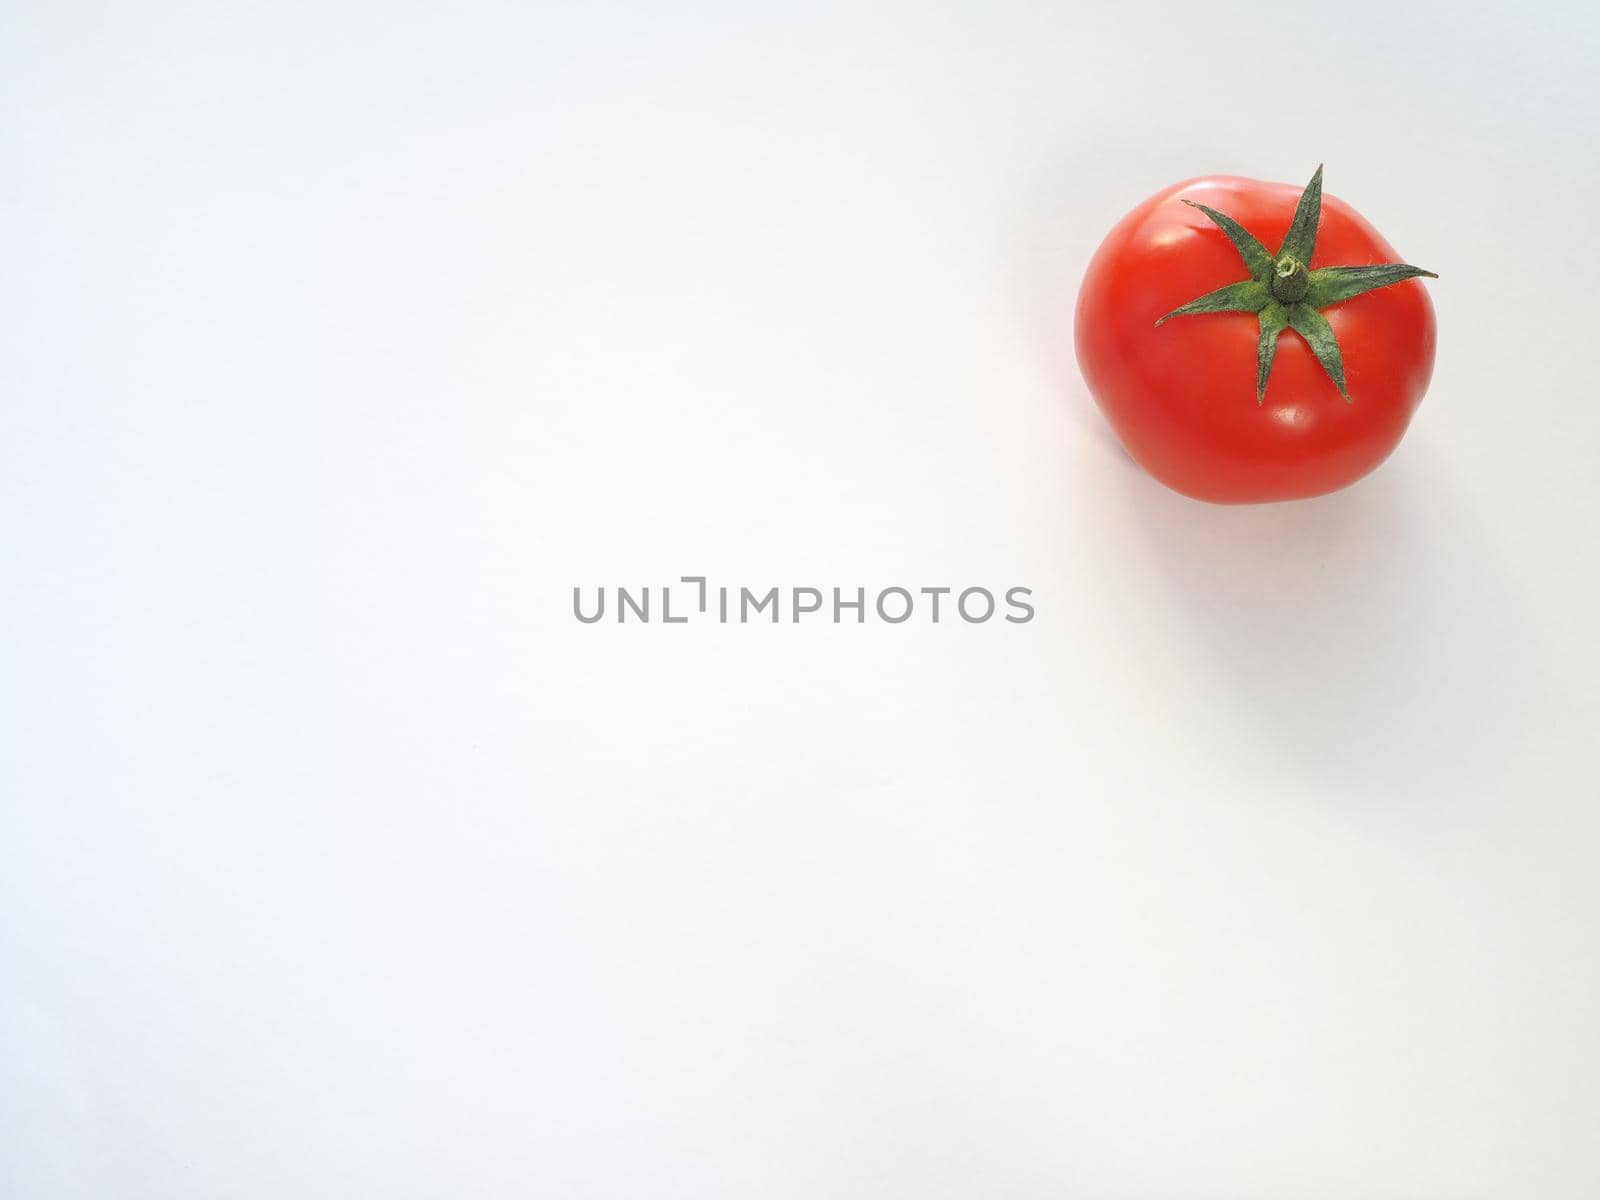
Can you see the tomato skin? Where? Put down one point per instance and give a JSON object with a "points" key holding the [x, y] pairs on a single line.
{"points": [[1183, 397]]}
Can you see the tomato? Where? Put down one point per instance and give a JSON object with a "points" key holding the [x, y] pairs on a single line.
{"points": [[1183, 395]]}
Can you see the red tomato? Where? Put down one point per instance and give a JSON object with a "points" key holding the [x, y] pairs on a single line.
{"points": [[1182, 397]]}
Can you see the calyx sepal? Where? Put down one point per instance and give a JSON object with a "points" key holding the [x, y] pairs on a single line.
{"points": [[1285, 293]]}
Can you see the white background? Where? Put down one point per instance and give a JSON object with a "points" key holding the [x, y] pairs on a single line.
{"points": [[339, 342]]}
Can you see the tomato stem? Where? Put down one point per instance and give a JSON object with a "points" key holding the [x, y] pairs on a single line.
{"points": [[1289, 280]]}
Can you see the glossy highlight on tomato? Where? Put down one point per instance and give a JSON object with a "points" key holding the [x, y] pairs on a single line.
{"points": [[1182, 396]]}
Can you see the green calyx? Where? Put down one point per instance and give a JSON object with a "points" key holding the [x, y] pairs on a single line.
{"points": [[1285, 293]]}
